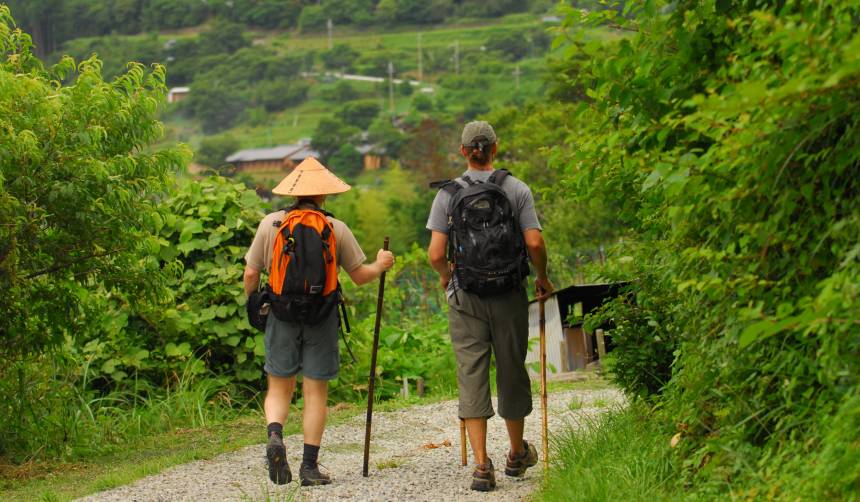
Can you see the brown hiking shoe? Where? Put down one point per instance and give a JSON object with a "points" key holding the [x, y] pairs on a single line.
{"points": [[515, 466], [311, 476], [484, 477], [276, 459]]}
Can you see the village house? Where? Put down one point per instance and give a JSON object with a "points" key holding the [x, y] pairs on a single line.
{"points": [[177, 94], [372, 157], [285, 157], [278, 158]]}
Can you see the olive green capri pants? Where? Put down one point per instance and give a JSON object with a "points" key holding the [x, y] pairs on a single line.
{"points": [[479, 326]]}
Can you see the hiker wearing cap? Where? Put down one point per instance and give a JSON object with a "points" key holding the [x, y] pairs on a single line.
{"points": [[484, 233], [301, 248]]}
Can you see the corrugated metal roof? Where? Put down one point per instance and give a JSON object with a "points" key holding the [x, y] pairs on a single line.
{"points": [[303, 153], [279, 152]]}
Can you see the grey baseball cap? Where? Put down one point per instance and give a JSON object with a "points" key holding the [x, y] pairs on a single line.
{"points": [[476, 129]]}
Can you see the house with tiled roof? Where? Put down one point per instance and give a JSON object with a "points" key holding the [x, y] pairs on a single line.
{"points": [[278, 158]]}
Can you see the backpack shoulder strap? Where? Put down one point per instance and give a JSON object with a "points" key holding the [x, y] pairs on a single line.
{"points": [[450, 186], [313, 206], [498, 176]]}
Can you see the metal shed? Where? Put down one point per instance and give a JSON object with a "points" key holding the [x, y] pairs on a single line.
{"points": [[568, 346]]}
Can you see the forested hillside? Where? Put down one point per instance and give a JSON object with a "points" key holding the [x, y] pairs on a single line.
{"points": [[254, 88], [708, 150], [53, 22]]}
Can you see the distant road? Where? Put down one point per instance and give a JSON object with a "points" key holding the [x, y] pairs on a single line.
{"points": [[362, 78]]}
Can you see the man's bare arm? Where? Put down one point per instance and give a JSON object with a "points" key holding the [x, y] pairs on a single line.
{"points": [[251, 279], [368, 272], [537, 252], [437, 256]]}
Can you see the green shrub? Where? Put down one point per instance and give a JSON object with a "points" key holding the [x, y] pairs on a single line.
{"points": [[78, 184], [340, 57], [214, 149], [512, 46], [222, 37], [330, 135], [341, 92], [727, 146], [644, 334], [346, 161], [217, 105], [277, 95], [313, 17], [384, 134], [405, 88], [422, 103], [359, 113]]}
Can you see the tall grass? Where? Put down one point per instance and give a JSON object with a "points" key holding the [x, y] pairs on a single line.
{"points": [[617, 456], [50, 409]]}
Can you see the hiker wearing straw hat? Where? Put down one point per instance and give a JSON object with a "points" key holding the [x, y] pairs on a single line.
{"points": [[484, 232], [301, 248]]}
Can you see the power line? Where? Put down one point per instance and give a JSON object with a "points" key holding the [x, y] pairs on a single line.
{"points": [[420, 60], [391, 87], [456, 46]]}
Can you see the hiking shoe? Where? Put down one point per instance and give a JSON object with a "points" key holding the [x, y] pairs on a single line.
{"points": [[484, 477], [515, 466], [276, 458], [311, 476]]}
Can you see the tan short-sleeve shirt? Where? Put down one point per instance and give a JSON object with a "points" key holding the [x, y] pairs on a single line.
{"points": [[259, 255]]}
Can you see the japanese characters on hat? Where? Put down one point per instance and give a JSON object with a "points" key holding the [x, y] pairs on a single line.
{"points": [[310, 178]]}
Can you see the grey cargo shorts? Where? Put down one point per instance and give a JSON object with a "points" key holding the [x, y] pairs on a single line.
{"points": [[313, 350], [479, 325]]}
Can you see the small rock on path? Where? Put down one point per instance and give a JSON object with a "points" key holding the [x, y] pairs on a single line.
{"points": [[403, 466]]}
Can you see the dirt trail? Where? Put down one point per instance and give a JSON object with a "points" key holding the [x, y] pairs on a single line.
{"points": [[403, 466]]}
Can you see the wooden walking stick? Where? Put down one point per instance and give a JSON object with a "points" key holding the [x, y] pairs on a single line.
{"points": [[371, 383], [464, 459], [543, 430]]}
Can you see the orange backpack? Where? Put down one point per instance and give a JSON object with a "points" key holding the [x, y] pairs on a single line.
{"points": [[303, 285]]}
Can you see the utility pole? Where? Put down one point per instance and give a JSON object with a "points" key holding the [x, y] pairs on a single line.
{"points": [[420, 61], [329, 25], [391, 87], [517, 74]]}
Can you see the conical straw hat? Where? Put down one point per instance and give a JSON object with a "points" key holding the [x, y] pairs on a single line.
{"points": [[310, 178]]}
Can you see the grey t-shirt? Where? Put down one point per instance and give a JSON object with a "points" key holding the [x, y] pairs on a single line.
{"points": [[518, 193]]}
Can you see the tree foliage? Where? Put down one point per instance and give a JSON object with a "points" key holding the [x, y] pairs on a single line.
{"points": [[214, 149], [77, 188], [726, 144], [53, 22], [340, 57], [359, 113], [331, 134]]}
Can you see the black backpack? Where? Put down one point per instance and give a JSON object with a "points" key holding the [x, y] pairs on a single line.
{"points": [[485, 241]]}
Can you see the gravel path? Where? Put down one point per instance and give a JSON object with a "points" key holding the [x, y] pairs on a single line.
{"points": [[403, 463]]}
